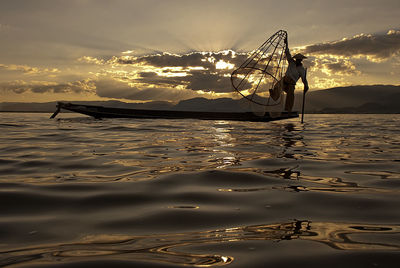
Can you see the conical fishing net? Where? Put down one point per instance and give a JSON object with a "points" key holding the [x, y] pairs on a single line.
{"points": [[261, 72]]}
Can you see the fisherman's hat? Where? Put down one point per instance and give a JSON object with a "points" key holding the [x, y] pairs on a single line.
{"points": [[299, 56]]}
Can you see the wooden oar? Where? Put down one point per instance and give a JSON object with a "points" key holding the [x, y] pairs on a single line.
{"points": [[302, 108], [56, 112], [304, 100]]}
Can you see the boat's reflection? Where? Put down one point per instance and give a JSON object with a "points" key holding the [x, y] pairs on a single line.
{"points": [[175, 248]]}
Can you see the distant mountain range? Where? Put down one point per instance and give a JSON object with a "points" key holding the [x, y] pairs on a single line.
{"points": [[354, 99]]}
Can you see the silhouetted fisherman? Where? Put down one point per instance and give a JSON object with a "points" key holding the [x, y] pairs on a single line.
{"points": [[294, 72]]}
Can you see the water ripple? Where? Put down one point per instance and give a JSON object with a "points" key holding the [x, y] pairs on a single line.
{"points": [[175, 248], [84, 192]]}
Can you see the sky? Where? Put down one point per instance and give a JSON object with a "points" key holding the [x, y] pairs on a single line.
{"points": [[169, 50]]}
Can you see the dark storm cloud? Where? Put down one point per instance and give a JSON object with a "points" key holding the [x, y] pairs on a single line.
{"points": [[168, 60], [341, 67], [194, 80], [209, 82], [194, 59], [378, 46], [332, 65], [147, 74], [178, 76], [161, 81], [205, 71]]}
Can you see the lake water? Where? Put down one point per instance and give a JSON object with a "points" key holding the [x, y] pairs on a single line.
{"points": [[80, 192]]}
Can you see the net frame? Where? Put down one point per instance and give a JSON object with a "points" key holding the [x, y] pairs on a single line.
{"points": [[272, 51]]}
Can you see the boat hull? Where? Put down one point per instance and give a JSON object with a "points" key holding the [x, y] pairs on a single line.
{"points": [[108, 112]]}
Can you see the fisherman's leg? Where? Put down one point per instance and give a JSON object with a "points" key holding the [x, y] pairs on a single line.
{"points": [[289, 98]]}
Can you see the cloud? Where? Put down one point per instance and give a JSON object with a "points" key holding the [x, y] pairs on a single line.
{"points": [[197, 80], [167, 76], [112, 88], [331, 65], [207, 60], [20, 86], [196, 71], [83, 86], [28, 69], [91, 60], [17, 87], [375, 47], [148, 74], [205, 81]]}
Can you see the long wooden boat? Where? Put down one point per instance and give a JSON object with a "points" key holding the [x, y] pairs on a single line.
{"points": [[108, 112]]}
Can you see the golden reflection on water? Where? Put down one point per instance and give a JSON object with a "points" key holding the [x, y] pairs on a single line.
{"points": [[221, 134], [175, 248], [384, 175], [299, 182], [223, 140], [131, 151]]}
